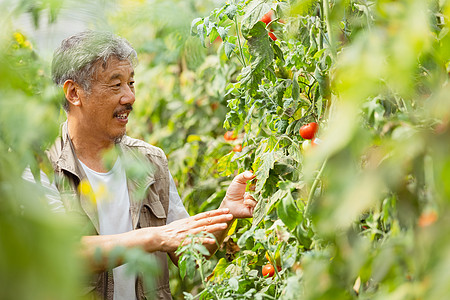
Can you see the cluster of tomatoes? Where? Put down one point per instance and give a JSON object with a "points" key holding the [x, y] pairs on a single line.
{"points": [[308, 132], [231, 136]]}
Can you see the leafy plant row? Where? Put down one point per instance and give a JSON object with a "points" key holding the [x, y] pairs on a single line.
{"points": [[348, 217]]}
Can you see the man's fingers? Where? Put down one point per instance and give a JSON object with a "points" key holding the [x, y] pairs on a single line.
{"points": [[250, 203], [211, 213], [210, 228], [244, 177], [214, 220]]}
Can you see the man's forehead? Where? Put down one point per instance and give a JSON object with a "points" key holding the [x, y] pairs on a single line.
{"points": [[114, 68]]}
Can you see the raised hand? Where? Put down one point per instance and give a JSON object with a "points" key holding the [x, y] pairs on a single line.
{"points": [[239, 203]]}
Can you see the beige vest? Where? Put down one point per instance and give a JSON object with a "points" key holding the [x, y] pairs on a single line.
{"points": [[149, 202]]}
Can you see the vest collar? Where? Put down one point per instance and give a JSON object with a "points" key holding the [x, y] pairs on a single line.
{"points": [[68, 161]]}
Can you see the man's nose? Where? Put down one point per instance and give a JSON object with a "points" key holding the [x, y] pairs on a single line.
{"points": [[128, 97]]}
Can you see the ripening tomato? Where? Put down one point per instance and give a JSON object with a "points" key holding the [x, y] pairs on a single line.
{"points": [[230, 136], [267, 17], [306, 145], [309, 130], [268, 270], [272, 36], [237, 148], [427, 218]]}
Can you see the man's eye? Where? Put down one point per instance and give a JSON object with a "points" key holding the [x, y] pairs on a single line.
{"points": [[131, 83]]}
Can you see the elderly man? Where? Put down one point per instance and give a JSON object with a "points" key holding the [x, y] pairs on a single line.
{"points": [[96, 72]]}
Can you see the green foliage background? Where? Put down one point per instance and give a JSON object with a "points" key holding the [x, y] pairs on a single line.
{"points": [[362, 215]]}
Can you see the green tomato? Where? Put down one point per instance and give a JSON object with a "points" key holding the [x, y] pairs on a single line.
{"points": [[306, 145]]}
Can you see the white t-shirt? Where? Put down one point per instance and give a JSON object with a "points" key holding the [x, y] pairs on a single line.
{"points": [[113, 205], [113, 211]]}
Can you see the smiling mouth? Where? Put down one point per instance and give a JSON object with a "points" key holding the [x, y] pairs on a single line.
{"points": [[122, 116]]}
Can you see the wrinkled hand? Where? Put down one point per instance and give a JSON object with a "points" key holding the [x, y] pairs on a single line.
{"points": [[175, 233], [239, 203]]}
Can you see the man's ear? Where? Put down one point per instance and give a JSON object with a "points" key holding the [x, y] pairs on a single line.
{"points": [[73, 92]]}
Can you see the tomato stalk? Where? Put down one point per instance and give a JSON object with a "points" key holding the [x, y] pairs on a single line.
{"points": [[320, 46], [326, 11], [272, 260], [242, 60], [313, 189]]}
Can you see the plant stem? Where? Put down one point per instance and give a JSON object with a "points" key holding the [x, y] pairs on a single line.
{"points": [[326, 10], [313, 189], [239, 41], [321, 28]]}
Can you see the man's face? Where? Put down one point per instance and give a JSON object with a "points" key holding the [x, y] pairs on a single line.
{"points": [[106, 108]]}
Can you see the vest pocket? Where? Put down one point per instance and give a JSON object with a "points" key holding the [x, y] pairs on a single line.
{"points": [[152, 214]]}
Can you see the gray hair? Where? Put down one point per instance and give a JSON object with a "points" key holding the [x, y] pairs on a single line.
{"points": [[77, 57]]}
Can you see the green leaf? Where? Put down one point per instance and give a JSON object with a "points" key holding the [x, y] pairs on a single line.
{"points": [[281, 126], [251, 79], [201, 33], [182, 267], [194, 24], [272, 141], [278, 52], [295, 153], [275, 198], [268, 161], [288, 212], [295, 87], [323, 80], [260, 210], [201, 249], [254, 11], [229, 49], [234, 284], [225, 165], [213, 34], [223, 32], [259, 46], [219, 270], [230, 11]]}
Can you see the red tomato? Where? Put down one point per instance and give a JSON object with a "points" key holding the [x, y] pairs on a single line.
{"points": [[309, 130], [267, 17], [237, 148], [268, 270], [272, 36], [229, 136]]}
